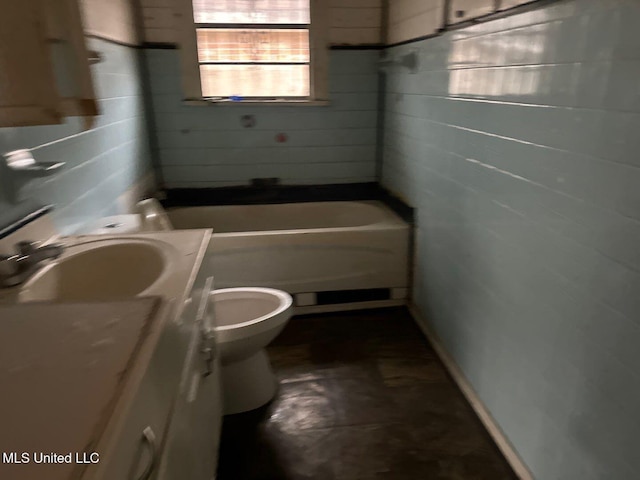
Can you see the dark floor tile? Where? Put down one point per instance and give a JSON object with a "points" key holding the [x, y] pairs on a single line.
{"points": [[409, 371], [456, 467], [362, 396], [369, 450], [292, 363], [339, 351], [317, 361], [429, 401], [301, 406], [359, 401], [299, 331], [273, 454], [403, 348]]}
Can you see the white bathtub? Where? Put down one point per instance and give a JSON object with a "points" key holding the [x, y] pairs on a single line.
{"points": [[307, 249]]}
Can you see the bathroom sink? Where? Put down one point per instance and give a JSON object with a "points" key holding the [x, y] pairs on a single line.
{"points": [[101, 270]]}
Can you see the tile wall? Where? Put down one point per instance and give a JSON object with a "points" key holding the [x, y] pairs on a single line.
{"points": [[102, 163], [518, 142], [207, 146]]}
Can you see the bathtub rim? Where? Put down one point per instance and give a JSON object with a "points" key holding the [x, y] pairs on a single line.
{"points": [[390, 221]]}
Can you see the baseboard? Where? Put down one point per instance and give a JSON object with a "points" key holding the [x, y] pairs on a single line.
{"points": [[518, 466], [345, 307]]}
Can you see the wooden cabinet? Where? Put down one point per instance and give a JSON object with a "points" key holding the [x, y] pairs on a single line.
{"points": [[171, 430], [27, 87], [63, 375], [132, 386], [191, 449], [137, 432], [44, 64], [506, 4], [409, 19], [464, 10], [191, 445]]}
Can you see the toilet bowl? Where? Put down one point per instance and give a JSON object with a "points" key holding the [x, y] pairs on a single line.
{"points": [[247, 320]]}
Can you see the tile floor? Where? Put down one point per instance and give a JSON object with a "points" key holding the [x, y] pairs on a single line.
{"points": [[362, 396]]}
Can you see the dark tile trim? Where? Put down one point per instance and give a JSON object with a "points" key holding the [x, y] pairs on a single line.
{"points": [[28, 218], [160, 45], [376, 46], [253, 195], [256, 195], [417, 39], [399, 206], [111, 40]]}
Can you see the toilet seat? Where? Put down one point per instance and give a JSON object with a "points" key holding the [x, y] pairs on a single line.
{"points": [[244, 311], [247, 319]]}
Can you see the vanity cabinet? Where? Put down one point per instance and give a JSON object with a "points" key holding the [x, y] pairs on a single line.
{"points": [[191, 448], [75, 382], [172, 430], [133, 383], [44, 63], [133, 439]]}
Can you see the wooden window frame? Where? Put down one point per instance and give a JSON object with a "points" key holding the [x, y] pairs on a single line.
{"points": [[318, 61]]}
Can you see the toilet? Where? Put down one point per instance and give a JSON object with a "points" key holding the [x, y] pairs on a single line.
{"points": [[247, 320]]}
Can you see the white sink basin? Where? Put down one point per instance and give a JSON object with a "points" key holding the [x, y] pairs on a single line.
{"points": [[99, 270]]}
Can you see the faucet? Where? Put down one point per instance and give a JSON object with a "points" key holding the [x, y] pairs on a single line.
{"points": [[16, 269]]}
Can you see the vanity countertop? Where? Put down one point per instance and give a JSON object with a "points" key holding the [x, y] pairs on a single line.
{"points": [[188, 248], [62, 369], [74, 370]]}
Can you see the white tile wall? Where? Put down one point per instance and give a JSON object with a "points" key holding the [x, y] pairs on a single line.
{"points": [[518, 143]]}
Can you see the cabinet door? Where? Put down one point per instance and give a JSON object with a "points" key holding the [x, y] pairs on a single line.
{"points": [[205, 393], [44, 65], [463, 10], [28, 93], [71, 59], [409, 19], [131, 447], [191, 449], [204, 406], [505, 4]]}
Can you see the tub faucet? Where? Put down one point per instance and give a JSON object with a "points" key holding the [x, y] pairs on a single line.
{"points": [[16, 269]]}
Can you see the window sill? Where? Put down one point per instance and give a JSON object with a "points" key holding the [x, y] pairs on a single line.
{"points": [[256, 103]]}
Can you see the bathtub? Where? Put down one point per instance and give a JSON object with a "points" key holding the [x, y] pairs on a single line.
{"points": [[329, 255]]}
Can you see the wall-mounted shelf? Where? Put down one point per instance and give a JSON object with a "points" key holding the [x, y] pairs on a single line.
{"points": [[18, 167]]}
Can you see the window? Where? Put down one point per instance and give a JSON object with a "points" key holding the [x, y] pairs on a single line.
{"points": [[258, 49]]}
